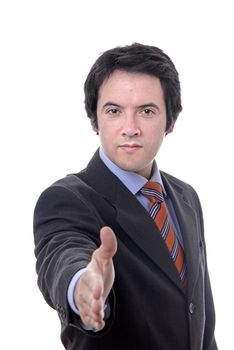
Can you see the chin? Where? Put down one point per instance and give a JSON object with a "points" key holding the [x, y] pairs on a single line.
{"points": [[129, 167]]}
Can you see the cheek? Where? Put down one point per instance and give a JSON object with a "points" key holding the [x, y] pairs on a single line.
{"points": [[156, 134], [108, 131], [107, 138], [154, 139]]}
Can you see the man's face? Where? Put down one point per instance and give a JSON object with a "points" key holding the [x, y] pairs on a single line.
{"points": [[131, 116]]}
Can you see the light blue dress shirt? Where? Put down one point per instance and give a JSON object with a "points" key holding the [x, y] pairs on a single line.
{"points": [[134, 182]]}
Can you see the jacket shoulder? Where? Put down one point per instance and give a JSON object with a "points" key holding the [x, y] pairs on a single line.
{"points": [[185, 189], [69, 189], [72, 182], [177, 182]]}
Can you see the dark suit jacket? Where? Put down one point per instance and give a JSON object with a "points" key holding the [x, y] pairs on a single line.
{"points": [[149, 308]]}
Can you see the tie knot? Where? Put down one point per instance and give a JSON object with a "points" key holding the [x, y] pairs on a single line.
{"points": [[153, 191]]}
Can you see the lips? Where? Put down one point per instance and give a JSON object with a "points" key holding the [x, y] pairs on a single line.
{"points": [[130, 146]]}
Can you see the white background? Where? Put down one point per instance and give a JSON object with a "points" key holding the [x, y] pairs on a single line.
{"points": [[47, 48]]}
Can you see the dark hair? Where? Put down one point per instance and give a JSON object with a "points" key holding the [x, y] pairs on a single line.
{"points": [[135, 58]]}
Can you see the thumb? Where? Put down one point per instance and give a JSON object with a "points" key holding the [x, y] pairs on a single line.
{"points": [[108, 245]]}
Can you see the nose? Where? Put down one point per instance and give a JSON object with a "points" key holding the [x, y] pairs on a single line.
{"points": [[130, 126]]}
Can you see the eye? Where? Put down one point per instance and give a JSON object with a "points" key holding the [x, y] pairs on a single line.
{"points": [[113, 111], [147, 112]]}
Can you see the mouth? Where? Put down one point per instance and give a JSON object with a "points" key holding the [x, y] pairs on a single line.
{"points": [[130, 146]]}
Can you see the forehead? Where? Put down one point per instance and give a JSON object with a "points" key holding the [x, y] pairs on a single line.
{"points": [[123, 83], [121, 78], [118, 76]]}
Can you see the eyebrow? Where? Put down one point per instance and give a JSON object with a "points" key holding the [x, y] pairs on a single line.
{"points": [[109, 103], [150, 104]]}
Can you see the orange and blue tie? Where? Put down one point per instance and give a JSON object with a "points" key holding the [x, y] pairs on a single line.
{"points": [[159, 213]]}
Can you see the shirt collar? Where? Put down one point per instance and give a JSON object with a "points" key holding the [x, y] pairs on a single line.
{"points": [[133, 181]]}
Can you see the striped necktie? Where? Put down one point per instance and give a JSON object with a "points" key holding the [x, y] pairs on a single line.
{"points": [[159, 213]]}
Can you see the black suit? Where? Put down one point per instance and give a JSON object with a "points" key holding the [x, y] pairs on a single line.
{"points": [[149, 307]]}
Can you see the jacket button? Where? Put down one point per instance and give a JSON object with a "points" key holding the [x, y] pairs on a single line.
{"points": [[63, 314], [191, 308]]}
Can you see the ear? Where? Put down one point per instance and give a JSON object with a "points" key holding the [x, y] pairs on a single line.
{"points": [[94, 127], [171, 128]]}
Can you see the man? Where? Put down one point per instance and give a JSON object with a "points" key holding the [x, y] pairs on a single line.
{"points": [[120, 246]]}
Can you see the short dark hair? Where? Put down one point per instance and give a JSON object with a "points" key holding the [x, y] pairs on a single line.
{"points": [[135, 58]]}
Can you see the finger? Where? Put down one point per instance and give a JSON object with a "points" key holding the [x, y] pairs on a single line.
{"points": [[92, 315], [108, 246], [95, 311], [90, 303], [90, 323]]}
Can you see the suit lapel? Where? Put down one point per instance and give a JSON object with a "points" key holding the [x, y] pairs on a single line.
{"points": [[140, 227], [188, 225], [132, 217]]}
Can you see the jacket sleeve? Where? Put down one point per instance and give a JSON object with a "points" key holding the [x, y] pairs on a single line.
{"points": [[209, 338], [66, 232], [209, 342]]}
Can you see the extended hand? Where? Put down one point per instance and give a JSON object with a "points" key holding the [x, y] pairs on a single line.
{"points": [[96, 282]]}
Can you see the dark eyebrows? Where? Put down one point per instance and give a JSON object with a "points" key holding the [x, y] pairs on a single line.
{"points": [[150, 104], [109, 103]]}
